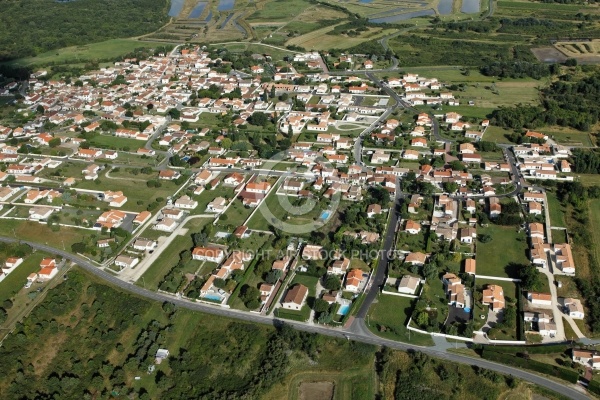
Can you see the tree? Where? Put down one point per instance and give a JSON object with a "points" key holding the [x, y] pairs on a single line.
{"points": [[273, 276], [321, 306], [174, 113], [332, 282], [430, 271], [450, 187], [258, 119], [54, 142], [530, 277], [226, 143], [78, 247], [249, 293], [219, 283]]}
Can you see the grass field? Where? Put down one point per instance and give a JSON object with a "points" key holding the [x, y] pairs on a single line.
{"points": [[497, 135], [388, 318], [594, 226], [41, 233], [557, 211], [115, 143], [588, 179], [106, 50], [569, 137], [133, 189], [491, 261]]}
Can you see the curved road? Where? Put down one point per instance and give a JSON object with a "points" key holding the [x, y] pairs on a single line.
{"points": [[359, 332]]}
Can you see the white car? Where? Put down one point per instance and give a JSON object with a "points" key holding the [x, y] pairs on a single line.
{"points": [[28, 284]]}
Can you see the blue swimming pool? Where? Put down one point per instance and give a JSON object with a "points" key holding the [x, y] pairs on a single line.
{"points": [[214, 297], [325, 215], [344, 309]]}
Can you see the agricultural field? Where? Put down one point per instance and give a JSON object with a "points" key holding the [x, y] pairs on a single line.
{"points": [[106, 50], [322, 39]]}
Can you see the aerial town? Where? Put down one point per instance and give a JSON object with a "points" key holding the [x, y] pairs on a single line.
{"points": [[368, 191]]}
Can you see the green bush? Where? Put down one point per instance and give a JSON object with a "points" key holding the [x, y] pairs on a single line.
{"points": [[562, 373]]}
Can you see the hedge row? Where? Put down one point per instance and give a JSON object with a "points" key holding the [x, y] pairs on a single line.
{"points": [[562, 373], [542, 349], [594, 387]]}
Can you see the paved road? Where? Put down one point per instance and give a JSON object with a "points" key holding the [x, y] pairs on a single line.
{"points": [[378, 280], [359, 331]]}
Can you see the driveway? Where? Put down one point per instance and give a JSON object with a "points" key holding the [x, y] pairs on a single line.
{"points": [[493, 319]]}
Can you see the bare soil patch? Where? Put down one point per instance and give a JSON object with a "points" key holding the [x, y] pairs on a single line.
{"points": [[316, 390], [548, 54]]}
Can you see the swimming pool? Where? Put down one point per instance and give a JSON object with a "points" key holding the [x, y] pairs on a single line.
{"points": [[214, 297], [325, 215], [344, 308]]}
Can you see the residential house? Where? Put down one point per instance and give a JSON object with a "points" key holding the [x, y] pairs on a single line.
{"points": [[416, 258], [539, 299], [339, 267], [493, 296], [123, 261], [588, 358], [186, 202], [355, 280], [209, 253], [312, 252], [564, 258], [166, 225], [218, 205], [295, 297], [144, 244], [467, 235], [470, 266], [412, 227], [408, 284], [169, 174], [574, 308]]}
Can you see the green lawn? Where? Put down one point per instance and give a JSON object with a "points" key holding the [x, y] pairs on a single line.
{"points": [[116, 143], [388, 318], [556, 210], [409, 242], [507, 246], [302, 315], [309, 281], [497, 134], [207, 196], [108, 49], [235, 215]]}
